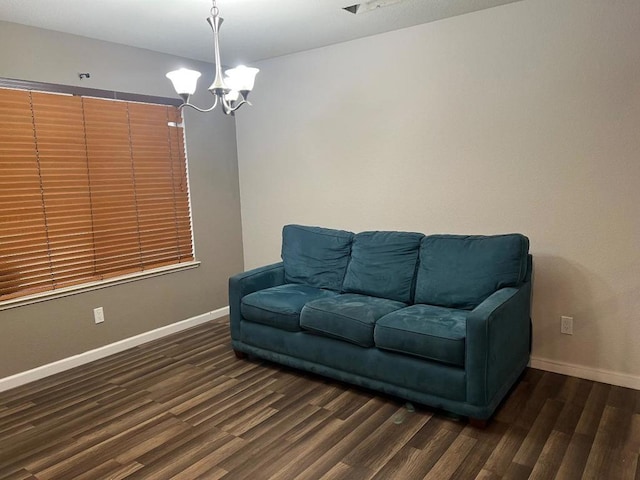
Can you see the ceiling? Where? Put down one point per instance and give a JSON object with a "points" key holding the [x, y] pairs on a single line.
{"points": [[254, 29]]}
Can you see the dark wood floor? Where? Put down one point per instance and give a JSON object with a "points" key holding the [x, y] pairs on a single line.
{"points": [[184, 407]]}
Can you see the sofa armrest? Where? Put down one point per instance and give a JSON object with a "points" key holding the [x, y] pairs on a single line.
{"points": [[497, 344], [248, 282]]}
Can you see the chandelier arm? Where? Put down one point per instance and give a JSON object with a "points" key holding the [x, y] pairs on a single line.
{"points": [[227, 108], [203, 110]]}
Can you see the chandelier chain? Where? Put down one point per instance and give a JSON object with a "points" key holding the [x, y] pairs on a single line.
{"points": [[214, 9]]}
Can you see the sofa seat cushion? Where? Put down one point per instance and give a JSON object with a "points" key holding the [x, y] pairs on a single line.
{"points": [[460, 271], [427, 331], [280, 306], [350, 317], [383, 264], [315, 256]]}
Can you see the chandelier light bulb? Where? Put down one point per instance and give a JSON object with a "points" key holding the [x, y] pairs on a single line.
{"points": [[184, 80], [232, 96], [242, 78]]}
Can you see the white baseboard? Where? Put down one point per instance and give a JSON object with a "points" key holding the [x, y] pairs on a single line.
{"points": [[101, 352], [588, 373]]}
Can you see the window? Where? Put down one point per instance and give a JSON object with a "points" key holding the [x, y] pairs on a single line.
{"points": [[90, 189]]}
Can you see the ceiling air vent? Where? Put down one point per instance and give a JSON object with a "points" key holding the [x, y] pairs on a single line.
{"points": [[370, 6]]}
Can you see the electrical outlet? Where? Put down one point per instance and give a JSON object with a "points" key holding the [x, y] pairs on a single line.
{"points": [[98, 315], [566, 325]]}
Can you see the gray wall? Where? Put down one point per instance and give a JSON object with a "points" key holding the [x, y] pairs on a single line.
{"points": [[524, 117], [37, 334]]}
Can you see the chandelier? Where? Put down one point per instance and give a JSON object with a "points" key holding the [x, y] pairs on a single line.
{"points": [[230, 91]]}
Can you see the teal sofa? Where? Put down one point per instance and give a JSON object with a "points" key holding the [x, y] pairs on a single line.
{"points": [[440, 320]]}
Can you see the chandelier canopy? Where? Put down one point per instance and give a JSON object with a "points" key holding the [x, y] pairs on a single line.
{"points": [[231, 91]]}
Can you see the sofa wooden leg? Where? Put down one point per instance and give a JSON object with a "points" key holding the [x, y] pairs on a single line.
{"points": [[477, 423], [240, 355]]}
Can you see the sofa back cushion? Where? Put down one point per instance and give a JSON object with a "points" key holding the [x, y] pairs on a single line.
{"points": [[459, 271], [315, 256], [383, 264]]}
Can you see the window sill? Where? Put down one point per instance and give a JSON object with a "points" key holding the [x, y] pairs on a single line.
{"points": [[87, 287]]}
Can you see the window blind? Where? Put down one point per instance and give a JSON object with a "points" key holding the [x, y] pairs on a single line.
{"points": [[89, 189]]}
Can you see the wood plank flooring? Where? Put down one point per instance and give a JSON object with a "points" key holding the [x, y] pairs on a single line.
{"points": [[184, 407]]}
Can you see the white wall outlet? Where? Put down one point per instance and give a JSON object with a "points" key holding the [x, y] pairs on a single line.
{"points": [[566, 325], [98, 315]]}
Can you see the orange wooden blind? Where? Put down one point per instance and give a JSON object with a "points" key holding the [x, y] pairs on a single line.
{"points": [[89, 189]]}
